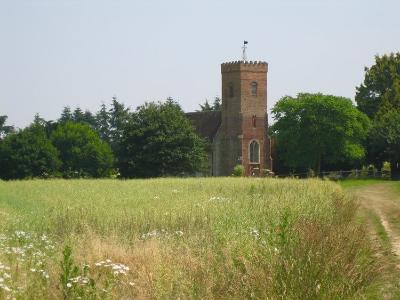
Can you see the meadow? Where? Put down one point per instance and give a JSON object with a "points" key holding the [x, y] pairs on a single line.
{"points": [[225, 238]]}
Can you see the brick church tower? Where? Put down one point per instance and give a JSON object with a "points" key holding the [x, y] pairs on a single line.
{"points": [[242, 137]]}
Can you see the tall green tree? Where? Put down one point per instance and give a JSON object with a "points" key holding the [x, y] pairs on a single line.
{"points": [[160, 141], [379, 97], [28, 153], [103, 123], [85, 117], [381, 85], [313, 130], [66, 115], [119, 117], [4, 129], [82, 152], [213, 107]]}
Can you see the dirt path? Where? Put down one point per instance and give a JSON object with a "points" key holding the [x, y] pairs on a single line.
{"points": [[385, 204]]}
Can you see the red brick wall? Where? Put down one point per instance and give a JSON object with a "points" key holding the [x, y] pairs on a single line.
{"points": [[237, 127]]}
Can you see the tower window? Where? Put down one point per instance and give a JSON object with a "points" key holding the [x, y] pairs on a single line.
{"points": [[254, 121], [254, 88], [231, 94], [254, 152]]}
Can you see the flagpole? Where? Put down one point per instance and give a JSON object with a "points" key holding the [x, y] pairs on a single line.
{"points": [[244, 50]]}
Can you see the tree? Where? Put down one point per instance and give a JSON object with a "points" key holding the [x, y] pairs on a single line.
{"points": [[4, 129], [66, 115], [103, 123], [28, 153], [381, 85], [84, 117], [379, 98], [214, 107], [386, 135], [160, 141], [313, 130], [82, 152], [217, 103], [119, 116]]}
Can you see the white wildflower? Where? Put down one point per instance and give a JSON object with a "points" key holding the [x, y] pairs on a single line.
{"points": [[6, 288], [179, 233], [254, 232]]}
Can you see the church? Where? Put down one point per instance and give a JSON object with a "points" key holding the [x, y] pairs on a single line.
{"points": [[238, 133]]}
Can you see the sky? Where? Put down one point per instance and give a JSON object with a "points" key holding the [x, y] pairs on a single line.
{"points": [[56, 53]]}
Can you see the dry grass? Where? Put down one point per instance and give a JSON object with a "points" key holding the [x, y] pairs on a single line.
{"points": [[229, 238]]}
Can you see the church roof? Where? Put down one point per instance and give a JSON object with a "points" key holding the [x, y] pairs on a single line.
{"points": [[206, 123]]}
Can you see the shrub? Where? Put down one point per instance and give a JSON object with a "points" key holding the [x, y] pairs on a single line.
{"points": [[238, 171]]}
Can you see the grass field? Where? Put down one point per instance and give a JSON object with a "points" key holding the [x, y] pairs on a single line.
{"points": [[182, 238]]}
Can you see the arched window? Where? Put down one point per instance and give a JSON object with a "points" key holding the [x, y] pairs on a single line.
{"points": [[254, 88], [231, 94], [254, 152]]}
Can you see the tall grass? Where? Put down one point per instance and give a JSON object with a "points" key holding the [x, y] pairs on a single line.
{"points": [[199, 238]]}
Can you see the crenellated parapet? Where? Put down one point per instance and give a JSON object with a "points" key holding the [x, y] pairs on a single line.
{"points": [[240, 65]]}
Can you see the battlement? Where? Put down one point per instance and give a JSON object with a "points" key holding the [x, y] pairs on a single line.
{"points": [[240, 65]]}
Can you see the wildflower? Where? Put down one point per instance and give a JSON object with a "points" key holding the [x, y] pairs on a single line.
{"points": [[254, 232], [131, 283], [69, 285], [218, 199], [179, 233], [33, 270], [150, 234], [6, 288]]}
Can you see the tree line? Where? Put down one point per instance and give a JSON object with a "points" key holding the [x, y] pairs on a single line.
{"points": [[323, 132], [154, 140], [311, 132]]}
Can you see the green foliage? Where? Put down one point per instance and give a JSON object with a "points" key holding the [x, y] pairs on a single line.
{"points": [[28, 153], [75, 283], [160, 141], [214, 107], [315, 129], [68, 271], [66, 115], [77, 116], [379, 98], [103, 123], [386, 135], [381, 85], [4, 129], [82, 151], [238, 171], [118, 118]]}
